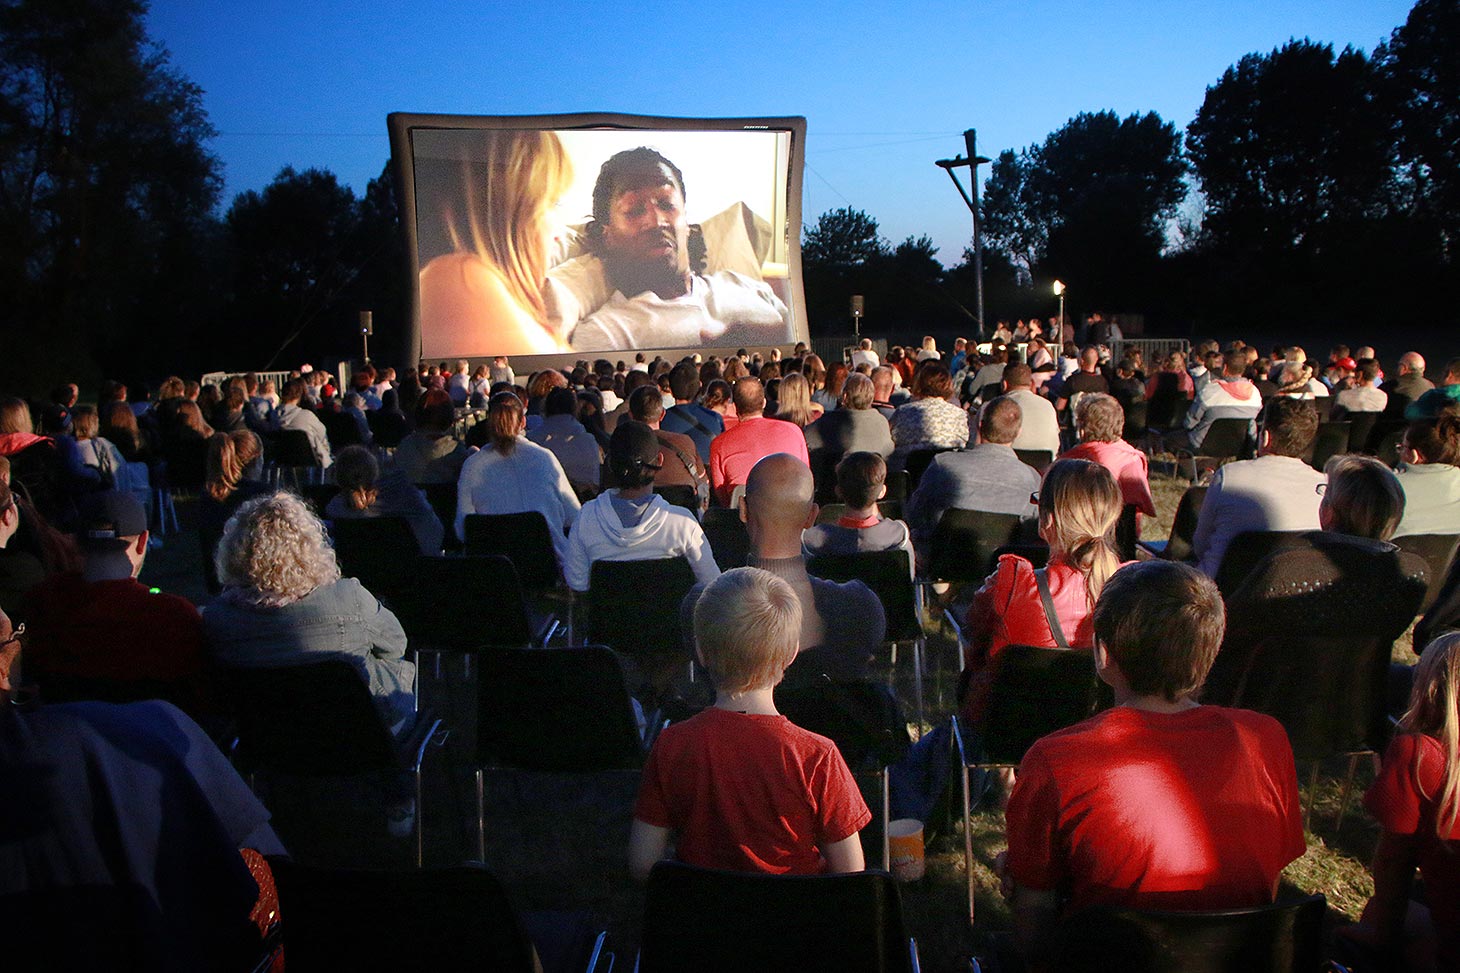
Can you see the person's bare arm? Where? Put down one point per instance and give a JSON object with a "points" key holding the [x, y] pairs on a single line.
{"points": [[845, 855], [648, 844]]}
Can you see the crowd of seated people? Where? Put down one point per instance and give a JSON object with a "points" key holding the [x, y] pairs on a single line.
{"points": [[767, 435]]}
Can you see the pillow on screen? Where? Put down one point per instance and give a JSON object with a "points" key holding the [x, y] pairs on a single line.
{"points": [[735, 239]]}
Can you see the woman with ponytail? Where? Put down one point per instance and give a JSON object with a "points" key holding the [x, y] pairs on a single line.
{"points": [[1416, 800], [511, 475], [365, 493], [1053, 607], [231, 477]]}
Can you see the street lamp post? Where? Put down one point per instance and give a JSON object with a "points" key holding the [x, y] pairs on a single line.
{"points": [[1059, 291]]}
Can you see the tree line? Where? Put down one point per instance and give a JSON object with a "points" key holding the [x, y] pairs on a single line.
{"points": [[1311, 185]]}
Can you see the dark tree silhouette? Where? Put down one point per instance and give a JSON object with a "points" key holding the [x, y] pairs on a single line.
{"points": [[1422, 62]]}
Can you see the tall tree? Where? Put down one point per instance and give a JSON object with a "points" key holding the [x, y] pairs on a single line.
{"points": [[843, 239], [106, 183], [1422, 61], [1090, 203], [1292, 142]]}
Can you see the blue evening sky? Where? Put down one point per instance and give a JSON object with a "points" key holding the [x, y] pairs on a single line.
{"points": [[886, 88]]}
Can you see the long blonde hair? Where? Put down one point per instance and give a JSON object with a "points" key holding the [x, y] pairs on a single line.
{"points": [[526, 173], [229, 456], [1434, 710], [793, 403], [1082, 503]]}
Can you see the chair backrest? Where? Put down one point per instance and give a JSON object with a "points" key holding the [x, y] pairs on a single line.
{"points": [[1249, 549], [1225, 438], [888, 574], [1312, 633], [1166, 406], [633, 606], [341, 429], [1439, 552], [456, 918], [317, 495], [1282, 938], [964, 542], [705, 920], [561, 709], [316, 719], [728, 537], [1361, 426], [1135, 420], [290, 447], [897, 486], [917, 464], [1126, 532], [680, 495], [430, 607], [830, 513], [1183, 525], [442, 498], [1331, 440], [378, 551], [1385, 439], [1037, 459], [523, 538], [1036, 691], [862, 718]]}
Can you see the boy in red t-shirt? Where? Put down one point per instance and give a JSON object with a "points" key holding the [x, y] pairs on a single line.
{"points": [[1159, 802], [739, 786]]}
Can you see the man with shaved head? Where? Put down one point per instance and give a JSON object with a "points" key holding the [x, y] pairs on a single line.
{"points": [[735, 452], [1407, 386], [841, 624]]}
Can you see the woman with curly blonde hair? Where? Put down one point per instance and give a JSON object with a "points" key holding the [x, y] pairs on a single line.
{"points": [[284, 603]]}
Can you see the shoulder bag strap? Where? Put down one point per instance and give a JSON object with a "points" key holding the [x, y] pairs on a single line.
{"points": [[1041, 579]]}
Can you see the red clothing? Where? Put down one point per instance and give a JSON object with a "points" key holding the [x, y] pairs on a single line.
{"points": [[749, 793], [1007, 610], [736, 450], [1414, 766], [1196, 810], [114, 630], [1127, 464]]}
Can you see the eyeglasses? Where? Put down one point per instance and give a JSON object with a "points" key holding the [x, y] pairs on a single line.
{"points": [[1320, 488], [15, 635], [1034, 498]]}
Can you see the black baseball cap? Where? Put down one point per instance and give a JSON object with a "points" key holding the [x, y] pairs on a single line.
{"points": [[109, 518]]}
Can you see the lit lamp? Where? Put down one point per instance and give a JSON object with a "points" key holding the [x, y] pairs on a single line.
{"points": [[1059, 291]]}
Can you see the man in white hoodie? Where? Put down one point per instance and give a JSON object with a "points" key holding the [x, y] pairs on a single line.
{"points": [[1229, 397], [632, 523]]}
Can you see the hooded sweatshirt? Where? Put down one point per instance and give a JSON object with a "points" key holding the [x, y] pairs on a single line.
{"points": [[662, 530], [1222, 399]]}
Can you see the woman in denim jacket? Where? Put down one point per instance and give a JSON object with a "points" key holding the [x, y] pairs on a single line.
{"points": [[284, 601]]}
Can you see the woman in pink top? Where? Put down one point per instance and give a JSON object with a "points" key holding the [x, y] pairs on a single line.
{"points": [[1099, 423], [1079, 505]]}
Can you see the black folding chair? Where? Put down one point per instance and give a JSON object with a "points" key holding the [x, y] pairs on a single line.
{"points": [[917, 464], [442, 498], [1361, 426], [447, 919], [1225, 440], [964, 542], [378, 552], [564, 710], [1035, 691], [1249, 549], [729, 540], [711, 921], [633, 607], [1281, 938], [1183, 528], [289, 457], [318, 720], [889, 575], [429, 608], [524, 539], [862, 719], [1439, 551], [830, 513], [1331, 440], [680, 495], [1038, 460], [341, 430]]}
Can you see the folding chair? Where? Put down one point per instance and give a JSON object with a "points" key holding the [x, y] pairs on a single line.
{"points": [[1361, 430], [964, 542], [318, 720], [289, 457], [564, 710], [917, 463], [1281, 938], [1249, 549], [711, 921], [377, 551], [1331, 440], [729, 540], [830, 513], [1439, 551], [633, 608], [1225, 440], [1127, 533], [889, 575], [1313, 632], [523, 538], [442, 498], [1183, 528], [863, 720], [1038, 460], [1035, 691], [446, 919], [680, 495], [429, 608], [318, 496]]}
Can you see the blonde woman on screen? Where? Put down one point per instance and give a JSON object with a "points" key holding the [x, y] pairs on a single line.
{"points": [[486, 297]]}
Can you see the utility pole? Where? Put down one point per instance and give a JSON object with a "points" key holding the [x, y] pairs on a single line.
{"points": [[971, 162]]}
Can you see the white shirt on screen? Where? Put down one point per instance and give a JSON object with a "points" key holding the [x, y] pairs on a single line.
{"points": [[714, 304]]}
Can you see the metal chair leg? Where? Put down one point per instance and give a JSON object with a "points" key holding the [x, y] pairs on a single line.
{"points": [[967, 840], [886, 821], [918, 682], [420, 823], [481, 821], [1348, 785], [1312, 796]]}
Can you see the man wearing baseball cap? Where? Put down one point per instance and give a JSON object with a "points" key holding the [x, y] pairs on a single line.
{"points": [[100, 630]]}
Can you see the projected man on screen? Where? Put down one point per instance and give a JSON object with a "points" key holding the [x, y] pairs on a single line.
{"points": [[655, 263]]}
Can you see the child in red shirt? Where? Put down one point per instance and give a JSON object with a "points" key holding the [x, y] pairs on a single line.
{"points": [[739, 786], [1416, 799]]}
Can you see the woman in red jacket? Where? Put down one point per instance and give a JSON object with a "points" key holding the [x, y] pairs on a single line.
{"points": [[1079, 505]]}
